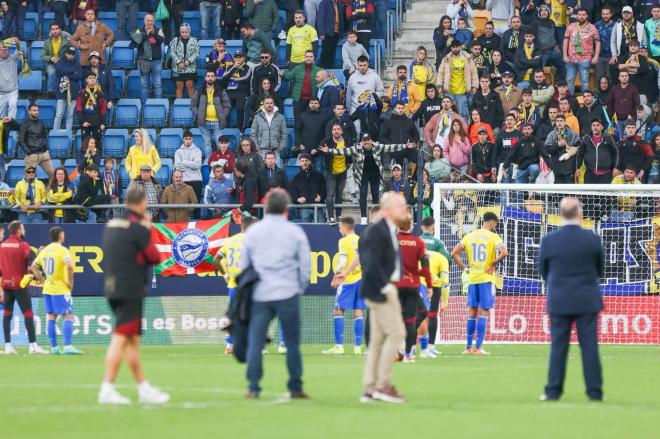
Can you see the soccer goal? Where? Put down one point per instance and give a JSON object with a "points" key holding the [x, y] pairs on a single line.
{"points": [[626, 217]]}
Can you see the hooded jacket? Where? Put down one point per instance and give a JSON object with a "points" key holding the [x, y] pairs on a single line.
{"points": [[545, 31], [359, 83], [220, 101], [188, 160], [528, 151], [350, 53], [71, 70], [602, 157], [555, 152], [399, 129]]}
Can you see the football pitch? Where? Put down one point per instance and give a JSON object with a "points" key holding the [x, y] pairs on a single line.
{"points": [[453, 396]]}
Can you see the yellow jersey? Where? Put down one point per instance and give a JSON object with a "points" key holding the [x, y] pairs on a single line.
{"points": [[301, 39], [481, 247], [339, 161], [53, 260], [211, 114], [231, 253], [348, 247], [457, 75]]}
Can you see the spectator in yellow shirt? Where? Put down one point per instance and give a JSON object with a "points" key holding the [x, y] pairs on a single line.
{"points": [[142, 153], [299, 39]]}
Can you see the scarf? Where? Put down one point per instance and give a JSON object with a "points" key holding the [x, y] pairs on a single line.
{"points": [[399, 93], [514, 40], [507, 91], [109, 183], [445, 121], [29, 194], [526, 114], [577, 41], [367, 101], [92, 98], [629, 33], [480, 61], [360, 7], [529, 53], [396, 185], [65, 87], [561, 134], [89, 156]]}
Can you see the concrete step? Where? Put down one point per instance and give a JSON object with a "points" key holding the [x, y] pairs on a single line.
{"points": [[435, 8]]}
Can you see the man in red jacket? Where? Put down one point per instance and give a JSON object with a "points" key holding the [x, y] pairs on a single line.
{"points": [[413, 254], [14, 263]]}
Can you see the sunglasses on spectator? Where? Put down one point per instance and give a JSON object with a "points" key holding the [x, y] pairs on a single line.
{"points": [[265, 56], [29, 172]]}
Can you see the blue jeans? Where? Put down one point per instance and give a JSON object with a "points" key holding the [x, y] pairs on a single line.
{"points": [[59, 114], [555, 58], [14, 19], [307, 215], [51, 83], [153, 76], [461, 102], [31, 218], [208, 12], [528, 175], [126, 8], [2, 170], [59, 9], [210, 133], [261, 314], [572, 69]]}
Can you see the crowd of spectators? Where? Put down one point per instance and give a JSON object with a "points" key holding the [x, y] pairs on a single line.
{"points": [[542, 91]]}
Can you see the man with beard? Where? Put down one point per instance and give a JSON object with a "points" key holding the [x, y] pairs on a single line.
{"points": [[509, 94], [590, 110], [581, 49], [505, 142], [561, 145], [488, 103], [511, 39], [401, 91], [541, 91], [429, 106], [599, 154], [400, 129]]}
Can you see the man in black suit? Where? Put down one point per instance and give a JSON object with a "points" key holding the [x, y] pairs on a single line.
{"points": [[381, 268], [571, 261]]}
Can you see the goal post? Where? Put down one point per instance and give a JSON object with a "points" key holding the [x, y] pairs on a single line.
{"points": [[626, 217]]}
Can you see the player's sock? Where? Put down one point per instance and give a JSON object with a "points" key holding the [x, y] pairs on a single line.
{"points": [[282, 339], [229, 340], [424, 342], [51, 329], [6, 326], [471, 326], [481, 330], [67, 331], [358, 329], [338, 322], [29, 326]]}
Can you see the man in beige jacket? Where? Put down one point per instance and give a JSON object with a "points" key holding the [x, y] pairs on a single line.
{"points": [[458, 77], [178, 193], [91, 36]]}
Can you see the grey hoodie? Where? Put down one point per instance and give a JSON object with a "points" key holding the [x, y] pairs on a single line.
{"points": [[358, 83], [189, 161], [501, 9], [350, 53]]}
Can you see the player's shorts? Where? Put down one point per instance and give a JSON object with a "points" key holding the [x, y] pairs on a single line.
{"points": [[422, 293], [481, 295], [58, 304], [232, 294], [128, 316], [348, 297]]}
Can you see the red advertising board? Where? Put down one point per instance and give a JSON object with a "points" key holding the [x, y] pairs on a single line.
{"points": [[523, 319]]}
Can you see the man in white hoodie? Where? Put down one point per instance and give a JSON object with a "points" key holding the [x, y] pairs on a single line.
{"points": [[188, 160], [362, 80]]}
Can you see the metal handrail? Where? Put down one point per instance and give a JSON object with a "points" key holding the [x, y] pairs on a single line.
{"points": [[389, 39]]}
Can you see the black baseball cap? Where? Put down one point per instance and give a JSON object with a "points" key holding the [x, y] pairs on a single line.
{"points": [[507, 73], [482, 131], [366, 136]]}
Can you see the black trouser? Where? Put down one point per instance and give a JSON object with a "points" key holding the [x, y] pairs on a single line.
{"points": [[433, 313], [176, 14], [328, 49], [565, 179], [599, 205], [409, 298], [371, 179], [94, 131], [587, 332], [239, 100], [299, 107], [334, 186], [363, 38], [25, 303], [197, 187]]}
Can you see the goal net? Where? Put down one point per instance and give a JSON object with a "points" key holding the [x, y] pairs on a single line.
{"points": [[626, 217]]}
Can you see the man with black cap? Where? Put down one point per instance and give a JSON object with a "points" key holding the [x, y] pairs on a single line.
{"points": [[68, 75], [509, 94], [562, 92], [368, 167], [237, 82], [104, 77], [308, 187], [457, 76], [480, 156]]}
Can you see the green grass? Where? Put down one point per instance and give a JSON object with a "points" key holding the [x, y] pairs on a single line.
{"points": [[452, 396]]}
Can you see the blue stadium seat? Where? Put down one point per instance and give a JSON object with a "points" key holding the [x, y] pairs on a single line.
{"points": [[232, 46], [123, 56], [199, 82], [205, 47], [21, 109], [291, 170], [12, 48], [109, 19], [285, 85], [46, 20], [151, 132], [12, 144], [234, 135], [198, 140], [281, 53], [194, 19], [155, 112], [288, 112], [115, 142], [34, 55], [59, 144], [31, 83], [31, 26], [233, 117], [127, 113], [339, 74], [291, 134], [181, 114], [133, 84], [70, 165], [282, 21], [15, 172], [169, 140], [338, 62], [169, 87], [164, 174], [206, 173], [123, 175], [47, 109], [120, 82], [77, 142]]}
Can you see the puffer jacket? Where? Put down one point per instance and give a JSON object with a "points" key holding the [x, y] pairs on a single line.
{"points": [[273, 136], [554, 151], [190, 54], [220, 100]]}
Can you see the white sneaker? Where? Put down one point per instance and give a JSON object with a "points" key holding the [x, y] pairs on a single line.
{"points": [[109, 395], [38, 350], [434, 351], [281, 349], [426, 353], [364, 221], [9, 350], [152, 395]]}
